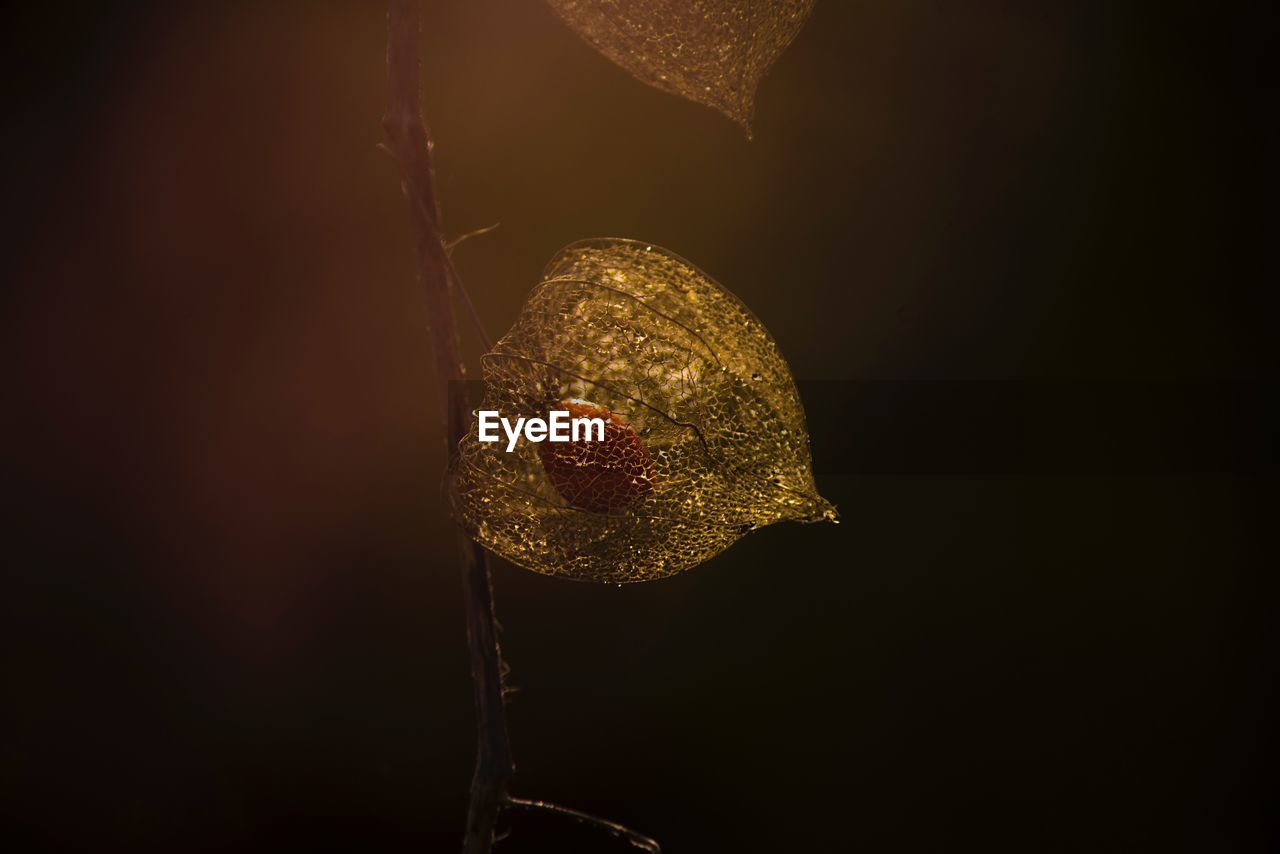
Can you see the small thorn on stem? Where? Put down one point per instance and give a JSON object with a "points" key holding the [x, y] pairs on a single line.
{"points": [[452, 244]]}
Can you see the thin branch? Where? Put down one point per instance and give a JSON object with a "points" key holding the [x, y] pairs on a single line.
{"points": [[410, 144], [639, 840], [449, 246], [485, 340]]}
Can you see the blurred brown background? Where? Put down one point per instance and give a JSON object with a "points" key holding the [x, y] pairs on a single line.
{"points": [[234, 598]]}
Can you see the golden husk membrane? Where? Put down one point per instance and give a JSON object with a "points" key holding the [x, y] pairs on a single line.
{"points": [[713, 52], [687, 372]]}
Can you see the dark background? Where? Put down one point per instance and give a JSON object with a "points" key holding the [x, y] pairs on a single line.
{"points": [[232, 590]]}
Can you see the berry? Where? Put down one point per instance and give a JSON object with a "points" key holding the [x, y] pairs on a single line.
{"points": [[600, 476]]}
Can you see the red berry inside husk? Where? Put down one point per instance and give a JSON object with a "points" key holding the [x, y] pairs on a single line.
{"points": [[600, 476]]}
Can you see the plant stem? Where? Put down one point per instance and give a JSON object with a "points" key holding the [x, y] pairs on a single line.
{"points": [[410, 143]]}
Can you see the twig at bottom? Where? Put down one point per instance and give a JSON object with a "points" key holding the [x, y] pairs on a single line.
{"points": [[639, 840]]}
